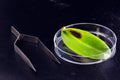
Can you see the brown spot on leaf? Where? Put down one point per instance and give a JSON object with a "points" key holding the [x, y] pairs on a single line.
{"points": [[76, 34]]}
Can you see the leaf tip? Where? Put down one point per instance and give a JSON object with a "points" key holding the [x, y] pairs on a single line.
{"points": [[63, 28]]}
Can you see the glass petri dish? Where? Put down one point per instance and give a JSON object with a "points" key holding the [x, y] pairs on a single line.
{"points": [[104, 33]]}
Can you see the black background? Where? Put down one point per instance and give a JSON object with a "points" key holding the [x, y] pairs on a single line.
{"points": [[43, 18]]}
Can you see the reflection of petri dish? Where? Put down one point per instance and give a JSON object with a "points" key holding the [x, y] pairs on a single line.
{"points": [[106, 34]]}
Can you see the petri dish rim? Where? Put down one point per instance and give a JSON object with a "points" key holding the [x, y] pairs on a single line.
{"points": [[112, 48]]}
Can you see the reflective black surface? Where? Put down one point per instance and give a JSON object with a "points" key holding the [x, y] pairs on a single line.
{"points": [[43, 18]]}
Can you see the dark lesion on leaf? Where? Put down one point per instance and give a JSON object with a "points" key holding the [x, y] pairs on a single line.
{"points": [[76, 34]]}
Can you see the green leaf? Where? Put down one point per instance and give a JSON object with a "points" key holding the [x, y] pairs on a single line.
{"points": [[85, 44]]}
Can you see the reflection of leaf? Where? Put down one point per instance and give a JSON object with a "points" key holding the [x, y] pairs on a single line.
{"points": [[85, 44], [59, 4]]}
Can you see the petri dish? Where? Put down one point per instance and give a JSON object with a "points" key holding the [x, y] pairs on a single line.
{"points": [[103, 32]]}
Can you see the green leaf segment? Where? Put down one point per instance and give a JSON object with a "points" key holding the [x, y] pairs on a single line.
{"points": [[85, 44]]}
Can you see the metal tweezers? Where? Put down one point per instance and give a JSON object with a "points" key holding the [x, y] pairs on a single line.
{"points": [[32, 39]]}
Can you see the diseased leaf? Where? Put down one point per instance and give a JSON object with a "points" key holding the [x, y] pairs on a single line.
{"points": [[85, 44]]}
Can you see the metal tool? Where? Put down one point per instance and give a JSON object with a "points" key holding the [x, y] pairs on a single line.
{"points": [[32, 39]]}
